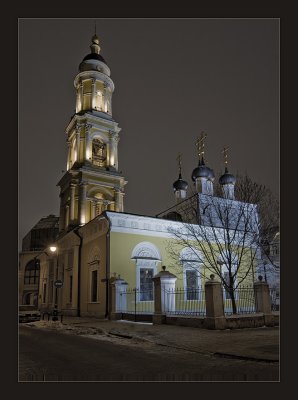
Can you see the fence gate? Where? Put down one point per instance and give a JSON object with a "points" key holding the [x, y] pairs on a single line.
{"points": [[137, 304]]}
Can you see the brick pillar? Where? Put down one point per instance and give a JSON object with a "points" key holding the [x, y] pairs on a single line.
{"points": [[215, 316], [263, 301], [164, 283], [118, 303]]}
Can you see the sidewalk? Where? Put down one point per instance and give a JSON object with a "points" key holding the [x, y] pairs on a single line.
{"points": [[260, 344]]}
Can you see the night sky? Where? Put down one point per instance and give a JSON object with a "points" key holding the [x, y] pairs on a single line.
{"points": [[173, 79]]}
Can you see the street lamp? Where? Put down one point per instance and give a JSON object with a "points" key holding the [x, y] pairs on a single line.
{"points": [[54, 249]]}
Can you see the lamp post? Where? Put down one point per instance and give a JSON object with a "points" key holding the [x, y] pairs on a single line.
{"points": [[54, 249]]}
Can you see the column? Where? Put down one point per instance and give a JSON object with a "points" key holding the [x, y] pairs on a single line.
{"points": [[78, 98], [164, 299], [215, 316], [82, 203], [113, 150], [88, 150], [263, 301], [93, 100], [69, 163], [78, 136], [66, 215], [72, 201], [118, 303], [93, 209], [81, 96]]}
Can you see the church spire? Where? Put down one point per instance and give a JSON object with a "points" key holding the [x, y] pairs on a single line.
{"points": [[180, 186], [95, 48], [227, 181], [203, 176]]}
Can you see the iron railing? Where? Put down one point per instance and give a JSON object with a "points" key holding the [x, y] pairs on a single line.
{"points": [[186, 302], [245, 301], [274, 294], [137, 301]]}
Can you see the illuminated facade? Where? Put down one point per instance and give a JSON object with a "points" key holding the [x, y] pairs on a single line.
{"points": [[97, 240], [92, 182]]}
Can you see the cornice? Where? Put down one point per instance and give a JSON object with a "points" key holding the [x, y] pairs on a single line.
{"points": [[94, 120]]}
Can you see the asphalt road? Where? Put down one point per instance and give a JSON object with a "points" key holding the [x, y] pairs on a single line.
{"points": [[46, 355]]}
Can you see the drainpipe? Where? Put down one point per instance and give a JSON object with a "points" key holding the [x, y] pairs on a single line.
{"points": [[107, 279], [79, 272]]}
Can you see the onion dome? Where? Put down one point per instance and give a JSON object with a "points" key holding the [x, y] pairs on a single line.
{"points": [[180, 184], [202, 171], [227, 179]]}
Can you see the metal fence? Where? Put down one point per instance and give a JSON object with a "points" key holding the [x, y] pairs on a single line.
{"points": [[186, 302], [245, 300], [137, 301], [274, 294], [192, 302]]}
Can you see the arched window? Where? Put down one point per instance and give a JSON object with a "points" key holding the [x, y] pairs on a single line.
{"points": [[191, 260], [147, 257], [99, 152], [32, 272], [94, 262], [225, 269]]}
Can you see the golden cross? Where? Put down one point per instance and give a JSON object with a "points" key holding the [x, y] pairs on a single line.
{"points": [[200, 143], [225, 153], [179, 162]]}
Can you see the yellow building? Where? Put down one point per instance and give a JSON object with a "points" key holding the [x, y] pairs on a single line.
{"points": [[97, 241]]}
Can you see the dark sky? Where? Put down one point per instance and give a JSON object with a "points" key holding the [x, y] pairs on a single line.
{"points": [[173, 78]]}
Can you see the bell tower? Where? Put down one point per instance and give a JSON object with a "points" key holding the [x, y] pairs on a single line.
{"points": [[92, 183]]}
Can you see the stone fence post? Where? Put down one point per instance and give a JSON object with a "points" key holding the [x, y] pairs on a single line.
{"points": [[118, 298], [215, 315], [263, 301], [164, 284]]}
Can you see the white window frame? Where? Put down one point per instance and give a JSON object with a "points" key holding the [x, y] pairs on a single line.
{"points": [[146, 256]]}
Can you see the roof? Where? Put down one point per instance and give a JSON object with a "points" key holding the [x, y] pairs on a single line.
{"points": [[51, 221], [94, 56]]}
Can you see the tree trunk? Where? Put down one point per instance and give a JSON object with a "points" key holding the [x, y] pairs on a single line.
{"points": [[233, 300], [232, 293]]}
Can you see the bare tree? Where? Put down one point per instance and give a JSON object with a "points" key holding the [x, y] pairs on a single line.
{"points": [[227, 237], [247, 190], [223, 236]]}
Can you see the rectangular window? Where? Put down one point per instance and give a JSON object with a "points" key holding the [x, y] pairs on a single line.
{"points": [[146, 284], [51, 291], [70, 289], [192, 291], [94, 286], [44, 292]]}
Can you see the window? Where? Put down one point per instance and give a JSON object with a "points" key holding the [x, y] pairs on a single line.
{"points": [[191, 284], [70, 288], [146, 256], [226, 279], [146, 284], [44, 292], [192, 261], [93, 286], [32, 273], [27, 299], [51, 291]]}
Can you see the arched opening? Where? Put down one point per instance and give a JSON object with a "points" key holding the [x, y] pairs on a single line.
{"points": [[31, 276], [191, 260], [99, 153], [27, 299], [147, 256]]}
